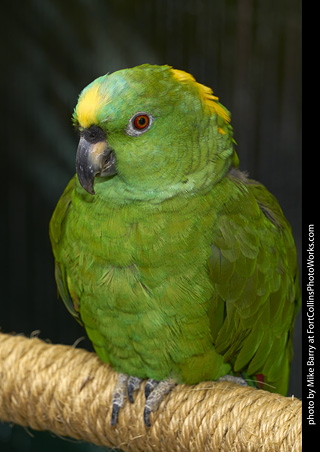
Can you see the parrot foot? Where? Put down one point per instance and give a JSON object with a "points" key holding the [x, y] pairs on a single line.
{"points": [[155, 392], [125, 387], [118, 397], [238, 380]]}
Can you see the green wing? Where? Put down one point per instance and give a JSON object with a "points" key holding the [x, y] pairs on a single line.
{"points": [[254, 270], [56, 229]]}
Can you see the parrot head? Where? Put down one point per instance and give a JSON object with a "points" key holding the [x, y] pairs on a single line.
{"points": [[153, 128]]}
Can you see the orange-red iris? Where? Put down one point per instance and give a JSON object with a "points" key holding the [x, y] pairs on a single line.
{"points": [[141, 122]]}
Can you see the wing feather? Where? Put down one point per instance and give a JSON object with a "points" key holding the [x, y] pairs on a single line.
{"points": [[56, 230], [253, 267]]}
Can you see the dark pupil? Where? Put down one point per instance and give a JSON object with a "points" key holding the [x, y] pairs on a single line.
{"points": [[142, 121]]}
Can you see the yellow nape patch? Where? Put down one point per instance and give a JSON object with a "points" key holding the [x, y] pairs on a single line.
{"points": [[182, 76], [205, 93], [89, 105], [212, 102]]}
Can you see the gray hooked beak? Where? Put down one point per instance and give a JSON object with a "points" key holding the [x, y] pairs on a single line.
{"points": [[94, 157]]}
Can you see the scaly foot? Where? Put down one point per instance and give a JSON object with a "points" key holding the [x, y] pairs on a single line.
{"points": [[154, 396], [239, 380], [155, 392], [119, 396]]}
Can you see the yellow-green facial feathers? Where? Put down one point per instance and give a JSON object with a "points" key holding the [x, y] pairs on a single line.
{"points": [[90, 104], [189, 138], [95, 96]]}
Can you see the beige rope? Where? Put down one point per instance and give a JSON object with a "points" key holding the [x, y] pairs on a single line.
{"points": [[68, 391]]}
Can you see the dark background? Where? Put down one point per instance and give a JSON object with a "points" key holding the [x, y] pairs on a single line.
{"points": [[248, 51]]}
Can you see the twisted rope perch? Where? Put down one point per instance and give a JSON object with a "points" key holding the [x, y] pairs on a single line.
{"points": [[68, 391]]}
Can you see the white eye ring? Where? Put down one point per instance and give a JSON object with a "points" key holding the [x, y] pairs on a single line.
{"points": [[139, 123]]}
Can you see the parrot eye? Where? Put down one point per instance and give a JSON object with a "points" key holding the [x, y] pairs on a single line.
{"points": [[139, 124]]}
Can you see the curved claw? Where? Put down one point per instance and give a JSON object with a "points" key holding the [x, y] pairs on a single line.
{"points": [[155, 397], [115, 414], [146, 416]]}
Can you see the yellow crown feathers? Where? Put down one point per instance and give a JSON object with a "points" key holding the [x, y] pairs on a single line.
{"points": [[205, 93]]}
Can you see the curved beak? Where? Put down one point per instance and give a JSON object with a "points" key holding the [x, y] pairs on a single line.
{"points": [[93, 159]]}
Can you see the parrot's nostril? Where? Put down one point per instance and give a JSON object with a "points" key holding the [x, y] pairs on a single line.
{"points": [[93, 134]]}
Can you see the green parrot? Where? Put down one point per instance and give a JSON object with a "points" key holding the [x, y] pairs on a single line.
{"points": [[180, 267]]}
